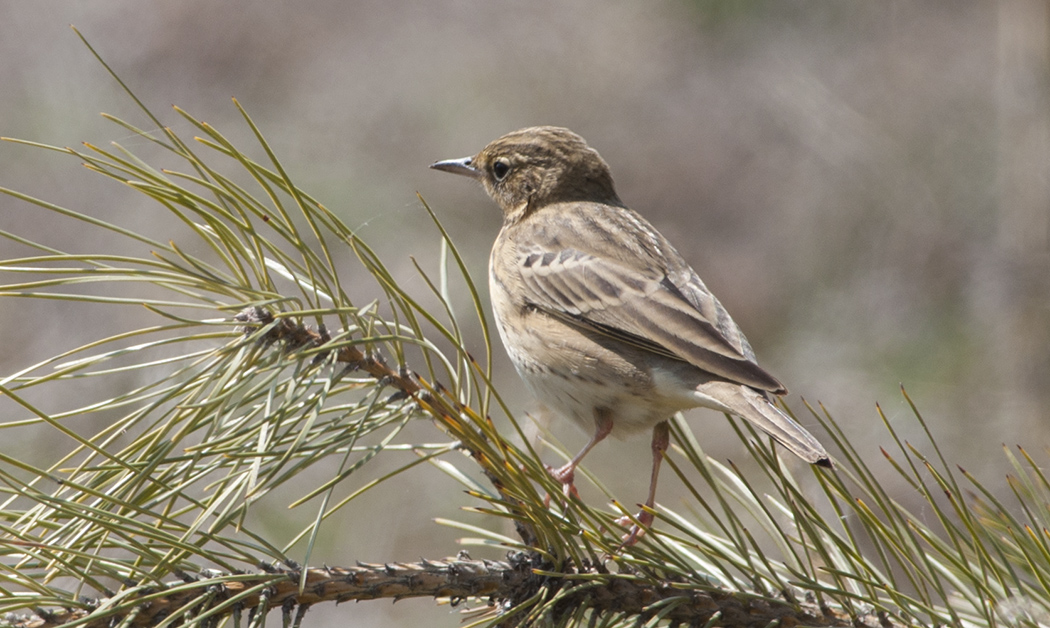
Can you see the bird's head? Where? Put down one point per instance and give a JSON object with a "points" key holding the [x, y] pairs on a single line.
{"points": [[533, 167]]}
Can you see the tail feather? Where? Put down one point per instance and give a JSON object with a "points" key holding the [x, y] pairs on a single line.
{"points": [[757, 409]]}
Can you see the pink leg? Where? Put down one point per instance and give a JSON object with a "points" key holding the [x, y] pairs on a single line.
{"points": [[603, 424], [661, 440]]}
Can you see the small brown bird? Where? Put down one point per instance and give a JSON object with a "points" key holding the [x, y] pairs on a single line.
{"points": [[601, 316]]}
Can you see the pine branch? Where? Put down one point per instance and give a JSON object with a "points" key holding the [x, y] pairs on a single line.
{"points": [[502, 585], [433, 398]]}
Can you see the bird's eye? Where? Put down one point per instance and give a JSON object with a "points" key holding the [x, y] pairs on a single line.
{"points": [[500, 169]]}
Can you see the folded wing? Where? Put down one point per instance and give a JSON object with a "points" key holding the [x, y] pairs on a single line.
{"points": [[660, 307]]}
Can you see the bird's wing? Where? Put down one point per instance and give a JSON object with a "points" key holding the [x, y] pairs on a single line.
{"points": [[664, 310]]}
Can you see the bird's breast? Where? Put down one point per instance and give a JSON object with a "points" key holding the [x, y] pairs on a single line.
{"points": [[573, 372]]}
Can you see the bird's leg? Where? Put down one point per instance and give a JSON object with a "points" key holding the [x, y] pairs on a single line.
{"points": [[565, 474], [661, 440]]}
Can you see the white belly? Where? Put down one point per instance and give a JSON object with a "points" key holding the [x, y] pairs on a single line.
{"points": [[572, 375]]}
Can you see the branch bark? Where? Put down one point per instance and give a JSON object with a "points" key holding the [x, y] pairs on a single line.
{"points": [[500, 584]]}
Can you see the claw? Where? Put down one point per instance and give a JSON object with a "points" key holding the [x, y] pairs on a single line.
{"points": [[565, 475], [644, 519]]}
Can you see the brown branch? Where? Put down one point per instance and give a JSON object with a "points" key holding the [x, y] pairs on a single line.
{"points": [[501, 585], [433, 398]]}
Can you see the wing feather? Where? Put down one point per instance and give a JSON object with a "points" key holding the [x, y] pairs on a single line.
{"points": [[670, 313]]}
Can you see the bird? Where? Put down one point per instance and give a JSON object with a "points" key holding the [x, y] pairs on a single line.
{"points": [[603, 319]]}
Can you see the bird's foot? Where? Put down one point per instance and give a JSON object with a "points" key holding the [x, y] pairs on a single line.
{"points": [[644, 519], [565, 475]]}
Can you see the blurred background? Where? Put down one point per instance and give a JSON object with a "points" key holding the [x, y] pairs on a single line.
{"points": [[864, 185]]}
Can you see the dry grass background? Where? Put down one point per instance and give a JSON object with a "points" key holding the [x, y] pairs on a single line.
{"points": [[864, 185]]}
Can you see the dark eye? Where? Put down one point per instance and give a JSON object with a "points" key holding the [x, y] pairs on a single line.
{"points": [[500, 169]]}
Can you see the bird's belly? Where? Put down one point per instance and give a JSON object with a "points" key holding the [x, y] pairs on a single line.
{"points": [[577, 396], [573, 375]]}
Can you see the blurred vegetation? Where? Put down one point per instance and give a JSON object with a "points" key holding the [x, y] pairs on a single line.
{"points": [[264, 380]]}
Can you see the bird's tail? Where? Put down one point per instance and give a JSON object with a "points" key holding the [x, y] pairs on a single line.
{"points": [[756, 408]]}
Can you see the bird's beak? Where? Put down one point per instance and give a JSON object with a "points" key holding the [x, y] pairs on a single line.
{"points": [[462, 166]]}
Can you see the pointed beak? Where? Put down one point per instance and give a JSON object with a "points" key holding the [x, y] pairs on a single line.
{"points": [[462, 166]]}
